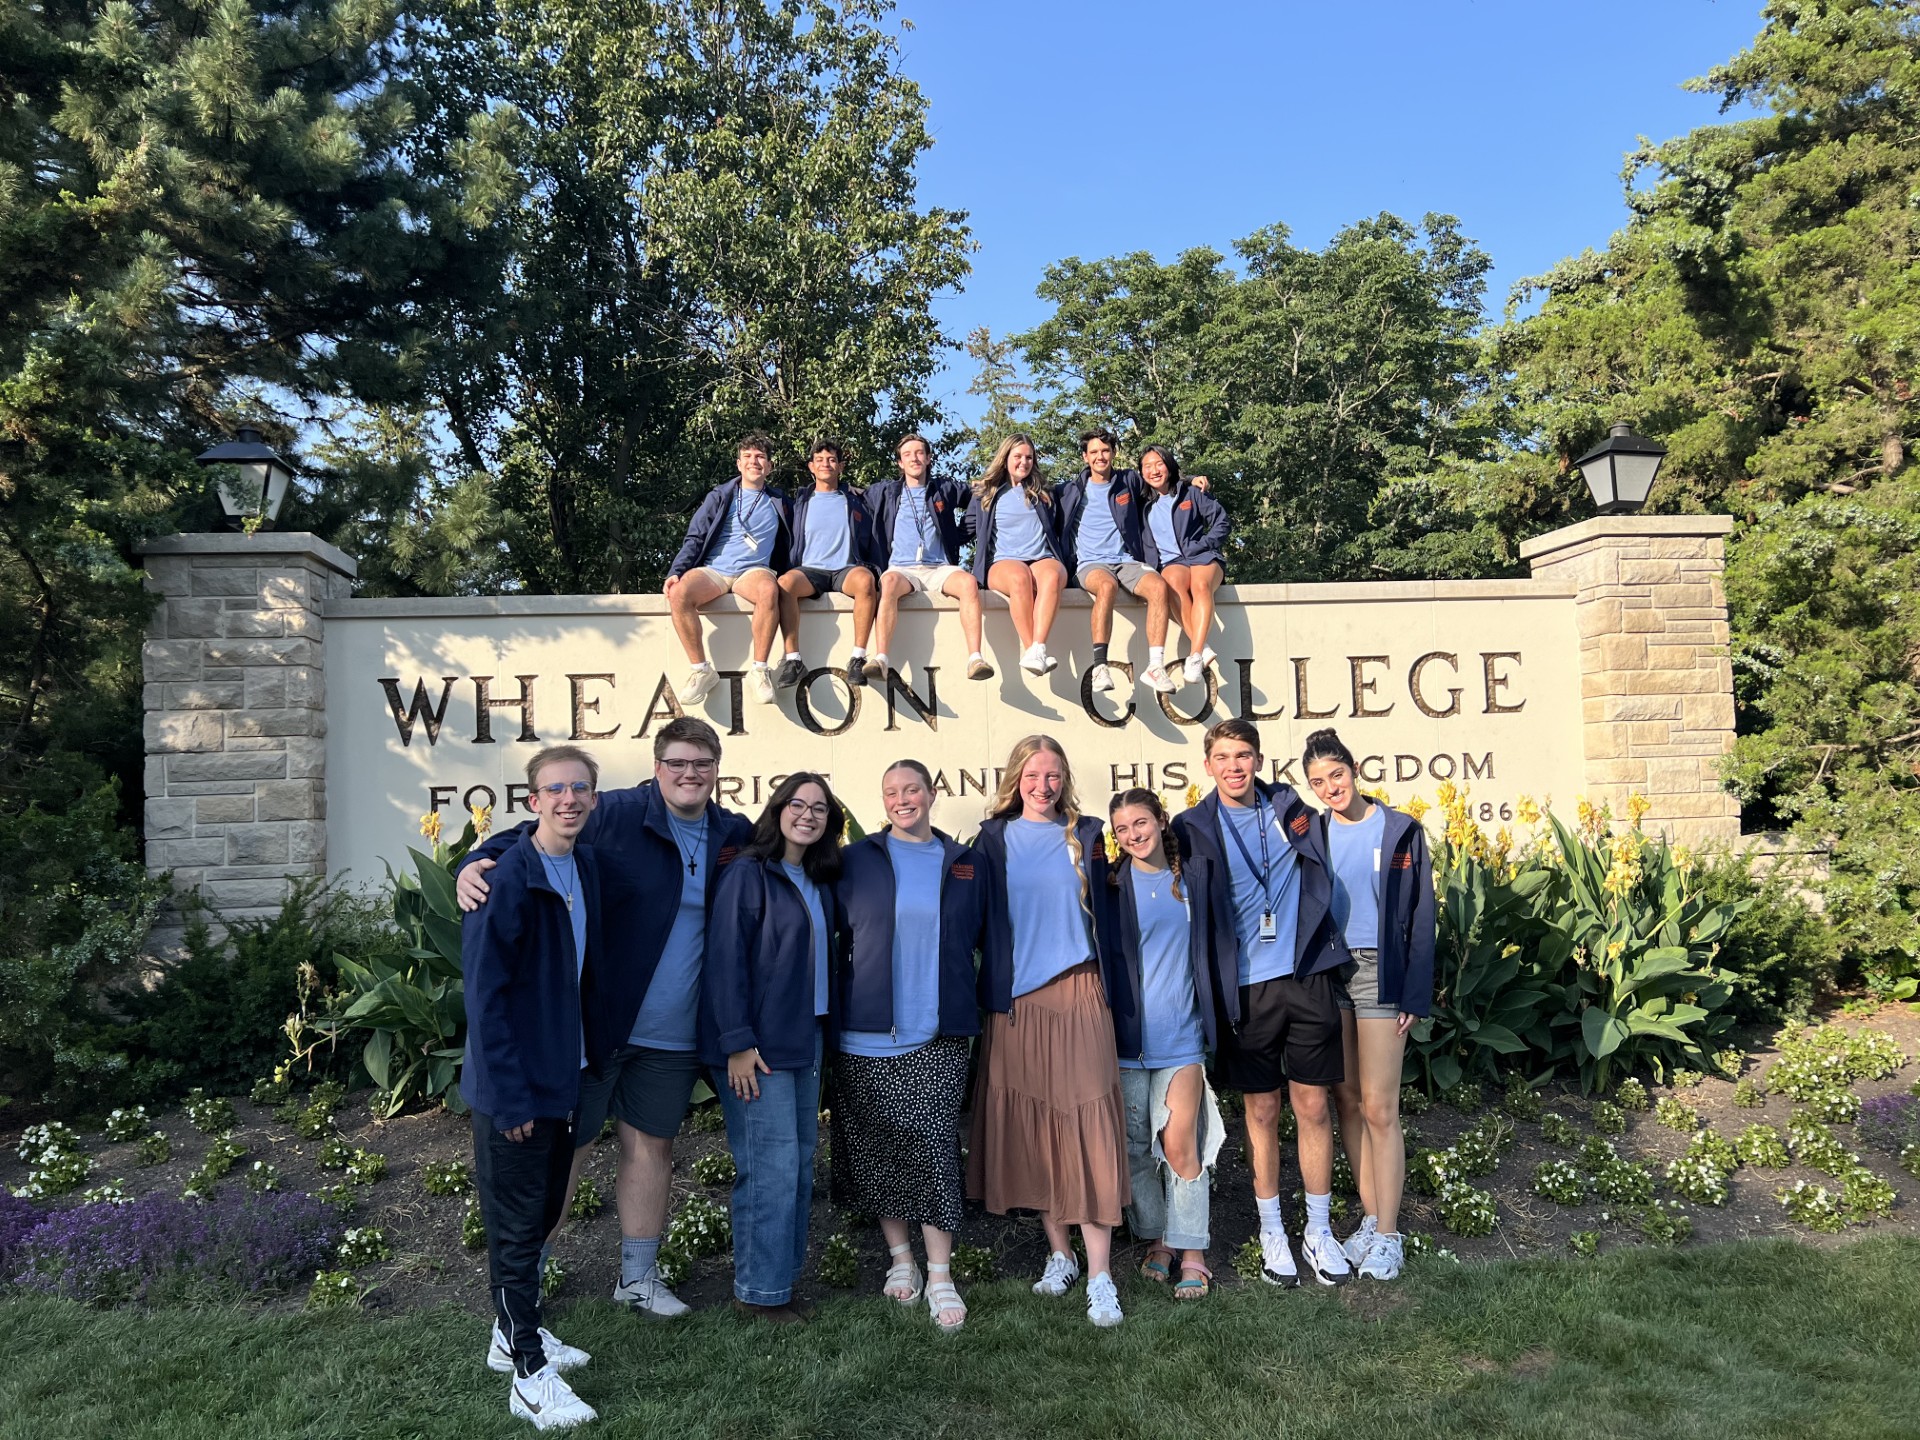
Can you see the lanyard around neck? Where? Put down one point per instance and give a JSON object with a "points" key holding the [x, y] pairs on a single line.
{"points": [[1266, 863]]}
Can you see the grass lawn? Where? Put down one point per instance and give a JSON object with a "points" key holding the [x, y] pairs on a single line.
{"points": [[1752, 1339]]}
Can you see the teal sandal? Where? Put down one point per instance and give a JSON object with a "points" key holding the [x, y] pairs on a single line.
{"points": [[1154, 1267], [1195, 1281]]}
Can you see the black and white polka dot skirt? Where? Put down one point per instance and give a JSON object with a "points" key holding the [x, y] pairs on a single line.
{"points": [[896, 1133]]}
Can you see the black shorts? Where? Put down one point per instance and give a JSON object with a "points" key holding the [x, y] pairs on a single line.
{"points": [[827, 582], [1289, 1030], [649, 1089]]}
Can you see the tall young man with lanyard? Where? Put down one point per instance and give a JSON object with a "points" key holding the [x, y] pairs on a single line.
{"points": [[832, 537], [531, 965], [1283, 1025], [659, 844], [1102, 515], [737, 543], [917, 526]]}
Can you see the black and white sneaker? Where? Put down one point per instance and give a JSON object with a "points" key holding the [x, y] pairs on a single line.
{"points": [[857, 670], [1276, 1260], [560, 1355], [1325, 1260], [792, 671]]}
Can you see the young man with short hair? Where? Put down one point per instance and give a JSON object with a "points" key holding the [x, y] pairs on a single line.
{"points": [[1102, 515], [918, 531], [832, 541], [738, 542], [531, 960], [660, 848], [1283, 1023]]}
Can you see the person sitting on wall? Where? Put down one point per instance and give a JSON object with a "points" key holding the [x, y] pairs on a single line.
{"points": [[530, 961], [739, 541], [1100, 527], [660, 848], [918, 530], [1185, 537], [832, 544], [1014, 523]]}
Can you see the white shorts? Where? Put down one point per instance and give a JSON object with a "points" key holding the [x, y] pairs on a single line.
{"points": [[926, 579]]}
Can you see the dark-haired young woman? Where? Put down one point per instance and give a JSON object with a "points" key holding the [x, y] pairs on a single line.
{"points": [[1049, 1126], [911, 904], [764, 1000], [1162, 987], [1383, 903], [1186, 537]]}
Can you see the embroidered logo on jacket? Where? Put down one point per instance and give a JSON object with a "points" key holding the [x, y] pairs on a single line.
{"points": [[1403, 861], [1299, 824], [940, 505], [962, 872], [729, 853], [1123, 499], [1186, 504]]}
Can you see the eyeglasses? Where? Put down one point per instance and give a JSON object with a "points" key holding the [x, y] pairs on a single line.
{"points": [[576, 787], [800, 809], [689, 767]]}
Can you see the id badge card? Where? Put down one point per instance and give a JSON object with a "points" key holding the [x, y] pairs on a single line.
{"points": [[1269, 927]]}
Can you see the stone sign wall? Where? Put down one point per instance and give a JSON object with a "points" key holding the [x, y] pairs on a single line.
{"points": [[293, 730]]}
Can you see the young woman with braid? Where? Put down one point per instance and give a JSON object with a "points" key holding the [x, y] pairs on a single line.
{"points": [[1163, 986], [1049, 1124]]}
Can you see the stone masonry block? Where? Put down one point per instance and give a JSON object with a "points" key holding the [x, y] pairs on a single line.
{"points": [[233, 895], [169, 820], [1706, 712], [1649, 572], [253, 624], [1670, 682], [306, 685], [277, 722], [1598, 617], [204, 697], [195, 788], [192, 619], [304, 623], [1616, 772], [307, 841], [163, 660], [257, 845], [168, 574], [1672, 777], [227, 767], [1695, 807], [281, 591], [176, 731], [1668, 597], [1633, 707], [224, 580], [306, 758], [1623, 652], [261, 652], [1689, 547], [171, 854], [237, 743], [288, 800], [224, 675], [153, 697], [223, 810], [266, 689]]}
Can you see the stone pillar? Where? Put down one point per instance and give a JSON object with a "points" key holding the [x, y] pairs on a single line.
{"points": [[1655, 681], [235, 671]]}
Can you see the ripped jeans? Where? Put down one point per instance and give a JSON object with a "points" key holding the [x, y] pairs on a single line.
{"points": [[1165, 1207]]}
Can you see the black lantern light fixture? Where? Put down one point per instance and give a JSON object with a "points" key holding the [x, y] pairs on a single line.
{"points": [[1620, 469], [251, 496]]}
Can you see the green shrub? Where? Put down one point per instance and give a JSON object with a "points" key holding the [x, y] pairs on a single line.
{"points": [[1624, 1182], [1464, 1096], [1663, 1222], [446, 1177], [1676, 1114], [1787, 954], [473, 1229], [1413, 1100], [1747, 1095], [155, 1148], [716, 1168], [1584, 1243], [1630, 1094], [1609, 1118], [1466, 1210], [1761, 1145], [1556, 1129], [587, 1201], [1560, 1181], [700, 1228], [975, 1264], [1521, 1101], [839, 1263]]}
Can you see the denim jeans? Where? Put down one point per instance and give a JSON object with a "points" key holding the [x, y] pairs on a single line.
{"points": [[772, 1140], [1165, 1207]]}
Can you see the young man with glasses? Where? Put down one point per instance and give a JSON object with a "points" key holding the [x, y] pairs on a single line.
{"points": [[917, 527], [1282, 1024], [832, 538], [661, 843], [1102, 520], [739, 541], [532, 961]]}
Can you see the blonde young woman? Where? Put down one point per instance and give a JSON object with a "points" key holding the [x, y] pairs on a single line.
{"points": [[1015, 528], [1049, 1123]]}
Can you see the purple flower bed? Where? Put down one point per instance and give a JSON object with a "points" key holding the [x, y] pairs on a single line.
{"points": [[1890, 1121], [18, 1219], [163, 1248]]}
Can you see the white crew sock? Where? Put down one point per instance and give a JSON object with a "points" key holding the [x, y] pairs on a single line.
{"points": [[976, 655], [790, 655], [1156, 655], [703, 664], [1317, 1208], [859, 652], [1269, 1208], [759, 664]]}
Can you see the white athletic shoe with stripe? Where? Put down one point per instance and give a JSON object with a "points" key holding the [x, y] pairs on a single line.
{"points": [[548, 1401], [560, 1355]]}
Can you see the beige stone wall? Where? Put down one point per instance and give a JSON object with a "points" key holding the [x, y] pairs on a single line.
{"points": [[1656, 685], [236, 720]]}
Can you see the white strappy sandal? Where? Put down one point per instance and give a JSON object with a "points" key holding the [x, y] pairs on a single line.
{"points": [[942, 1296], [902, 1272]]}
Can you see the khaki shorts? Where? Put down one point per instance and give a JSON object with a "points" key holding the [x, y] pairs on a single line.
{"points": [[725, 581], [926, 579], [1362, 995], [1129, 573]]}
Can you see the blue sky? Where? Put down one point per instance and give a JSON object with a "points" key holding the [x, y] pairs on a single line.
{"points": [[1073, 128]]}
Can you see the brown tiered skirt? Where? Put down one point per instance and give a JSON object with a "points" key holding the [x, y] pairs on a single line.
{"points": [[1049, 1125]]}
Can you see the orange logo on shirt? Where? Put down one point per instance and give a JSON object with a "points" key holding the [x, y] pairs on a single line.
{"points": [[1299, 824], [962, 872], [1186, 504], [1122, 499], [1403, 861]]}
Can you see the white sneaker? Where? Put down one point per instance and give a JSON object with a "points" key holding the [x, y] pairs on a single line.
{"points": [[1384, 1258], [1035, 660], [1276, 1259], [1326, 1261], [548, 1401], [1155, 677], [1103, 1301], [1102, 678], [1062, 1270], [1357, 1243], [700, 682], [1192, 668], [651, 1297], [760, 683], [560, 1356]]}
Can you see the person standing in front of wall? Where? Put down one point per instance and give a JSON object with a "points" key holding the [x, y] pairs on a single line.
{"points": [[1383, 903], [765, 997], [1049, 1126], [911, 903]]}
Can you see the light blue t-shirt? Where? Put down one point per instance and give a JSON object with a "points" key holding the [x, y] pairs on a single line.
{"points": [[1019, 526], [1170, 1032], [829, 543], [747, 534], [1160, 523], [1043, 904], [1098, 542], [1279, 895], [817, 914], [563, 873], [1354, 855], [669, 1015], [916, 530], [918, 867]]}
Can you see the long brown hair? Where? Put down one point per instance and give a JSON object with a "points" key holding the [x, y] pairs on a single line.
{"points": [[990, 484], [1169, 840], [1007, 803]]}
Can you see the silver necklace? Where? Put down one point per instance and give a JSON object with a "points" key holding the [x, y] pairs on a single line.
{"points": [[572, 871]]}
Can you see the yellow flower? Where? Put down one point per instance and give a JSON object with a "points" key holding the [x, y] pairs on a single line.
{"points": [[482, 819], [1448, 793], [430, 826], [1683, 859], [1113, 848], [1379, 793], [1528, 810], [1615, 948], [1416, 807], [1637, 807], [1192, 796], [1508, 951]]}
